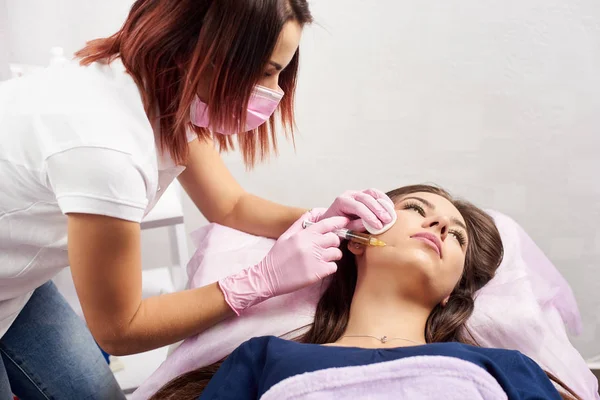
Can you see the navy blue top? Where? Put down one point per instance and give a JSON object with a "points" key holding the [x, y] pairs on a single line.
{"points": [[258, 364]]}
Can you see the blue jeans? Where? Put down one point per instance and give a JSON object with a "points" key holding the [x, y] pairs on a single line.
{"points": [[49, 353]]}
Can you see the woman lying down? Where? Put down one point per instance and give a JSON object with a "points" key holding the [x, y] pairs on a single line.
{"points": [[390, 324]]}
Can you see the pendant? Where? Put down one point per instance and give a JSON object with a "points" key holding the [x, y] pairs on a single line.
{"points": [[384, 339]]}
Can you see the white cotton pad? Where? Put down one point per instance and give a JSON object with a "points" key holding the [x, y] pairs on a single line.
{"points": [[388, 205]]}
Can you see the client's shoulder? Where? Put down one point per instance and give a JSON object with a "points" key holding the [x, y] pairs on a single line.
{"points": [[513, 356], [261, 348], [263, 342]]}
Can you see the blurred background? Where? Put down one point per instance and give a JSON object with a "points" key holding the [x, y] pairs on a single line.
{"points": [[497, 101]]}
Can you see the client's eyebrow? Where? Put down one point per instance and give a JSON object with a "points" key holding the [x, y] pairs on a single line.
{"points": [[278, 67], [432, 207]]}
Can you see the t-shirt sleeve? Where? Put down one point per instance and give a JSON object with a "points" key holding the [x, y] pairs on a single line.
{"points": [[528, 380], [101, 181], [239, 376]]}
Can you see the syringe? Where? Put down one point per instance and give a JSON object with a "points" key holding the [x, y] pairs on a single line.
{"points": [[352, 236]]}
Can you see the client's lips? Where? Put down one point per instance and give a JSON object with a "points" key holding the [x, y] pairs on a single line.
{"points": [[431, 239]]}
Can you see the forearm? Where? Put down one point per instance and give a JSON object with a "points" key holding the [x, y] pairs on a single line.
{"points": [[261, 217], [166, 319], [222, 200]]}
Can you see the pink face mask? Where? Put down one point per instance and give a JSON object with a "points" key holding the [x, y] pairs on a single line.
{"points": [[261, 106]]}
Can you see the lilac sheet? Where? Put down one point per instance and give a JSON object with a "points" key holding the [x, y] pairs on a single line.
{"points": [[424, 377]]}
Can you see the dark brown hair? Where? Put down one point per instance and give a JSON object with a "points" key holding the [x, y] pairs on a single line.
{"points": [[445, 324], [169, 45]]}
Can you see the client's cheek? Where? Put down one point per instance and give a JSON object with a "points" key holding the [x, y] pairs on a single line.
{"points": [[390, 237], [455, 270]]}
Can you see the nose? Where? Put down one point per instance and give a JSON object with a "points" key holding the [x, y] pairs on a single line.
{"points": [[440, 224], [271, 82]]}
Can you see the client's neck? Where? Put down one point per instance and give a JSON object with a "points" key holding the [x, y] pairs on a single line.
{"points": [[380, 311]]}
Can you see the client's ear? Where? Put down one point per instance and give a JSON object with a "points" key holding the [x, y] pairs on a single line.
{"points": [[356, 248], [444, 302]]}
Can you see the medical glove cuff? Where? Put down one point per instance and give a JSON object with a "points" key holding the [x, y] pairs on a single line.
{"points": [[246, 288]]}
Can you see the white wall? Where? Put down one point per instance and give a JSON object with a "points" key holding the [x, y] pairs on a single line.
{"points": [[498, 101], [37, 25], [4, 43]]}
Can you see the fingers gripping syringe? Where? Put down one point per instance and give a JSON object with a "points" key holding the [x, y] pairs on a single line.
{"points": [[352, 236]]}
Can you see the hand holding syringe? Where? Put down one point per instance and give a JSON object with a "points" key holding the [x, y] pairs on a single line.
{"points": [[356, 237]]}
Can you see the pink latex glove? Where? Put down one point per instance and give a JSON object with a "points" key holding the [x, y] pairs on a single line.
{"points": [[299, 258], [359, 206]]}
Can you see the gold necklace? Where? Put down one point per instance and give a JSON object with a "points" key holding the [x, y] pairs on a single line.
{"points": [[383, 339]]}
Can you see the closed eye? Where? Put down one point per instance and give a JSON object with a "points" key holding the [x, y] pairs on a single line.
{"points": [[459, 236], [415, 207]]}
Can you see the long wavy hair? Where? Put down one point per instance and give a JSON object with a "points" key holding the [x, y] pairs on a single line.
{"points": [[168, 46], [445, 324]]}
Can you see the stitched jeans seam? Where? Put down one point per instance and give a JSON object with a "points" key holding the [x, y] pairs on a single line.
{"points": [[24, 373]]}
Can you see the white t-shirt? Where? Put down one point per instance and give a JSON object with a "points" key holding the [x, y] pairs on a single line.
{"points": [[72, 139]]}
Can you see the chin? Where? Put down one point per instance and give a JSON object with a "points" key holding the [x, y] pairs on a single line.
{"points": [[422, 261], [426, 256]]}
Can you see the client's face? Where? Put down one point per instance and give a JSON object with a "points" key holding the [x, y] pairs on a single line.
{"points": [[425, 252]]}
